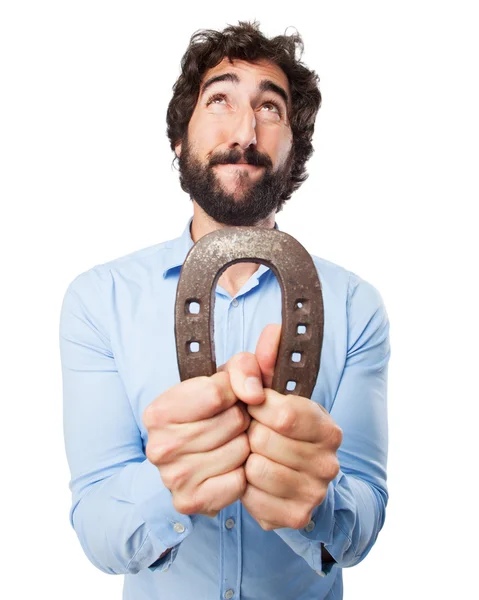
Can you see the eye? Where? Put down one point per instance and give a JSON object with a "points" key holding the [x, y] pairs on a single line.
{"points": [[272, 105], [272, 108], [215, 98]]}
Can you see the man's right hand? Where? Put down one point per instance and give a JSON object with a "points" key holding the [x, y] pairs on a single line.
{"points": [[196, 436]]}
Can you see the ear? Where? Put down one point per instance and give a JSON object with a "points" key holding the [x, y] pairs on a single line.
{"points": [[178, 149]]}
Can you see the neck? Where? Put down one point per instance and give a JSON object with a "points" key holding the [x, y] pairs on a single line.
{"points": [[235, 276]]}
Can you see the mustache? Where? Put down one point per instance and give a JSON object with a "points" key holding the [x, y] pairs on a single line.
{"points": [[234, 156]]}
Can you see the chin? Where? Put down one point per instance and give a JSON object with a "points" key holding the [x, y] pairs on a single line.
{"points": [[238, 190]]}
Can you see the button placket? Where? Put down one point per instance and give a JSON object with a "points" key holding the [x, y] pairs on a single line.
{"points": [[231, 554]]}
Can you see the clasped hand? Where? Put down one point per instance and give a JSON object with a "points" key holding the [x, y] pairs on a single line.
{"points": [[232, 437]]}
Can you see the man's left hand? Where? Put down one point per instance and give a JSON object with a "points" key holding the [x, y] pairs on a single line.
{"points": [[293, 444]]}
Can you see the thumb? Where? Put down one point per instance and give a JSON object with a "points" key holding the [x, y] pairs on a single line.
{"points": [[267, 352]]}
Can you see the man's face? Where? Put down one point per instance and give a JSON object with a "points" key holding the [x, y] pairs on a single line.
{"points": [[236, 157]]}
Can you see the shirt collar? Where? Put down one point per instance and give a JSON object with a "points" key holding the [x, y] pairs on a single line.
{"points": [[180, 246], [178, 249]]}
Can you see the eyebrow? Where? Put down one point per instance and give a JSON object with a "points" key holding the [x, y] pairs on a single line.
{"points": [[266, 85], [225, 77]]}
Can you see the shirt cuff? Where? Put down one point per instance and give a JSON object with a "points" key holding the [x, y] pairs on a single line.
{"points": [[308, 542], [162, 564], [167, 527]]}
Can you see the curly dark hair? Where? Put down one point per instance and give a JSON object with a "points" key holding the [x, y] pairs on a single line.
{"points": [[208, 47]]}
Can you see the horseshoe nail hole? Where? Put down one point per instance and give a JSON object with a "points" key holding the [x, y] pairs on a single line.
{"points": [[290, 386], [301, 329], [192, 307], [301, 303], [296, 357], [194, 346]]}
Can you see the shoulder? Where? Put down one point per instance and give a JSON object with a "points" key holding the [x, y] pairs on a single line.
{"points": [[347, 291], [134, 267], [347, 281]]}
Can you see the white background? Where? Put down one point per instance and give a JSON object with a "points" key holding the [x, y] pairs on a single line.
{"points": [[86, 177]]}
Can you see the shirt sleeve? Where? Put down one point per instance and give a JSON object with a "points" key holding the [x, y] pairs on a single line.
{"points": [[121, 511], [349, 519]]}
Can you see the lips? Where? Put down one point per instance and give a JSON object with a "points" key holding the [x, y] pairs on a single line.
{"points": [[240, 164]]}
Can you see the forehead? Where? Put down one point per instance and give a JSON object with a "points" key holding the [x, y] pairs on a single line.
{"points": [[249, 72]]}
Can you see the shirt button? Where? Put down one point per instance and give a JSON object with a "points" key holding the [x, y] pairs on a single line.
{"points": [[229, 594], [179, 527], [234, 303], [230, 523], [310, 526]]}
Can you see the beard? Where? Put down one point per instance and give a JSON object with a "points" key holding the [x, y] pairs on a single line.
{"points": [[250, 203]]}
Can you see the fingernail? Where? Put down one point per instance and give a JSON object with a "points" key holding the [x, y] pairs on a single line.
{"points": [[253, 386]]}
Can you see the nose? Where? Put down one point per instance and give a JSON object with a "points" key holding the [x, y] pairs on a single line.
{"points": [[244, 130]]}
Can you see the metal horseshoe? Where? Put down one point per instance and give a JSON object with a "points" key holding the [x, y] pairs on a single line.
{"points": [[302, 303]]}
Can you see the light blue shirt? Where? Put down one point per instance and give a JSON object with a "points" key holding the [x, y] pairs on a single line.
{"points": [[118, 354]]}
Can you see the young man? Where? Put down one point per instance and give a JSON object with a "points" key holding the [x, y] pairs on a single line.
{"points": [[219, 487]]}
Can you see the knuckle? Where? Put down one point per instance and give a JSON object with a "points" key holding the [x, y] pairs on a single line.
{"points": [[254, 436], [245, 447], [249, 467], [240, 446], [246, 420], [333, 468], [240, 481], [336, 436], [317, 494], [146, 417], [154, 454], [237, 416], [153, 415], [255, 467], [161, 452], [195, 503], [177, 476], [286, 419], [243, 361], [215, 396], [327, 466], [185, 504], [299, 519], [221, 378]]}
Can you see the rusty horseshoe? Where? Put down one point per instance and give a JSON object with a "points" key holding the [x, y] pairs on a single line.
{"points": [[302, 303]]}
